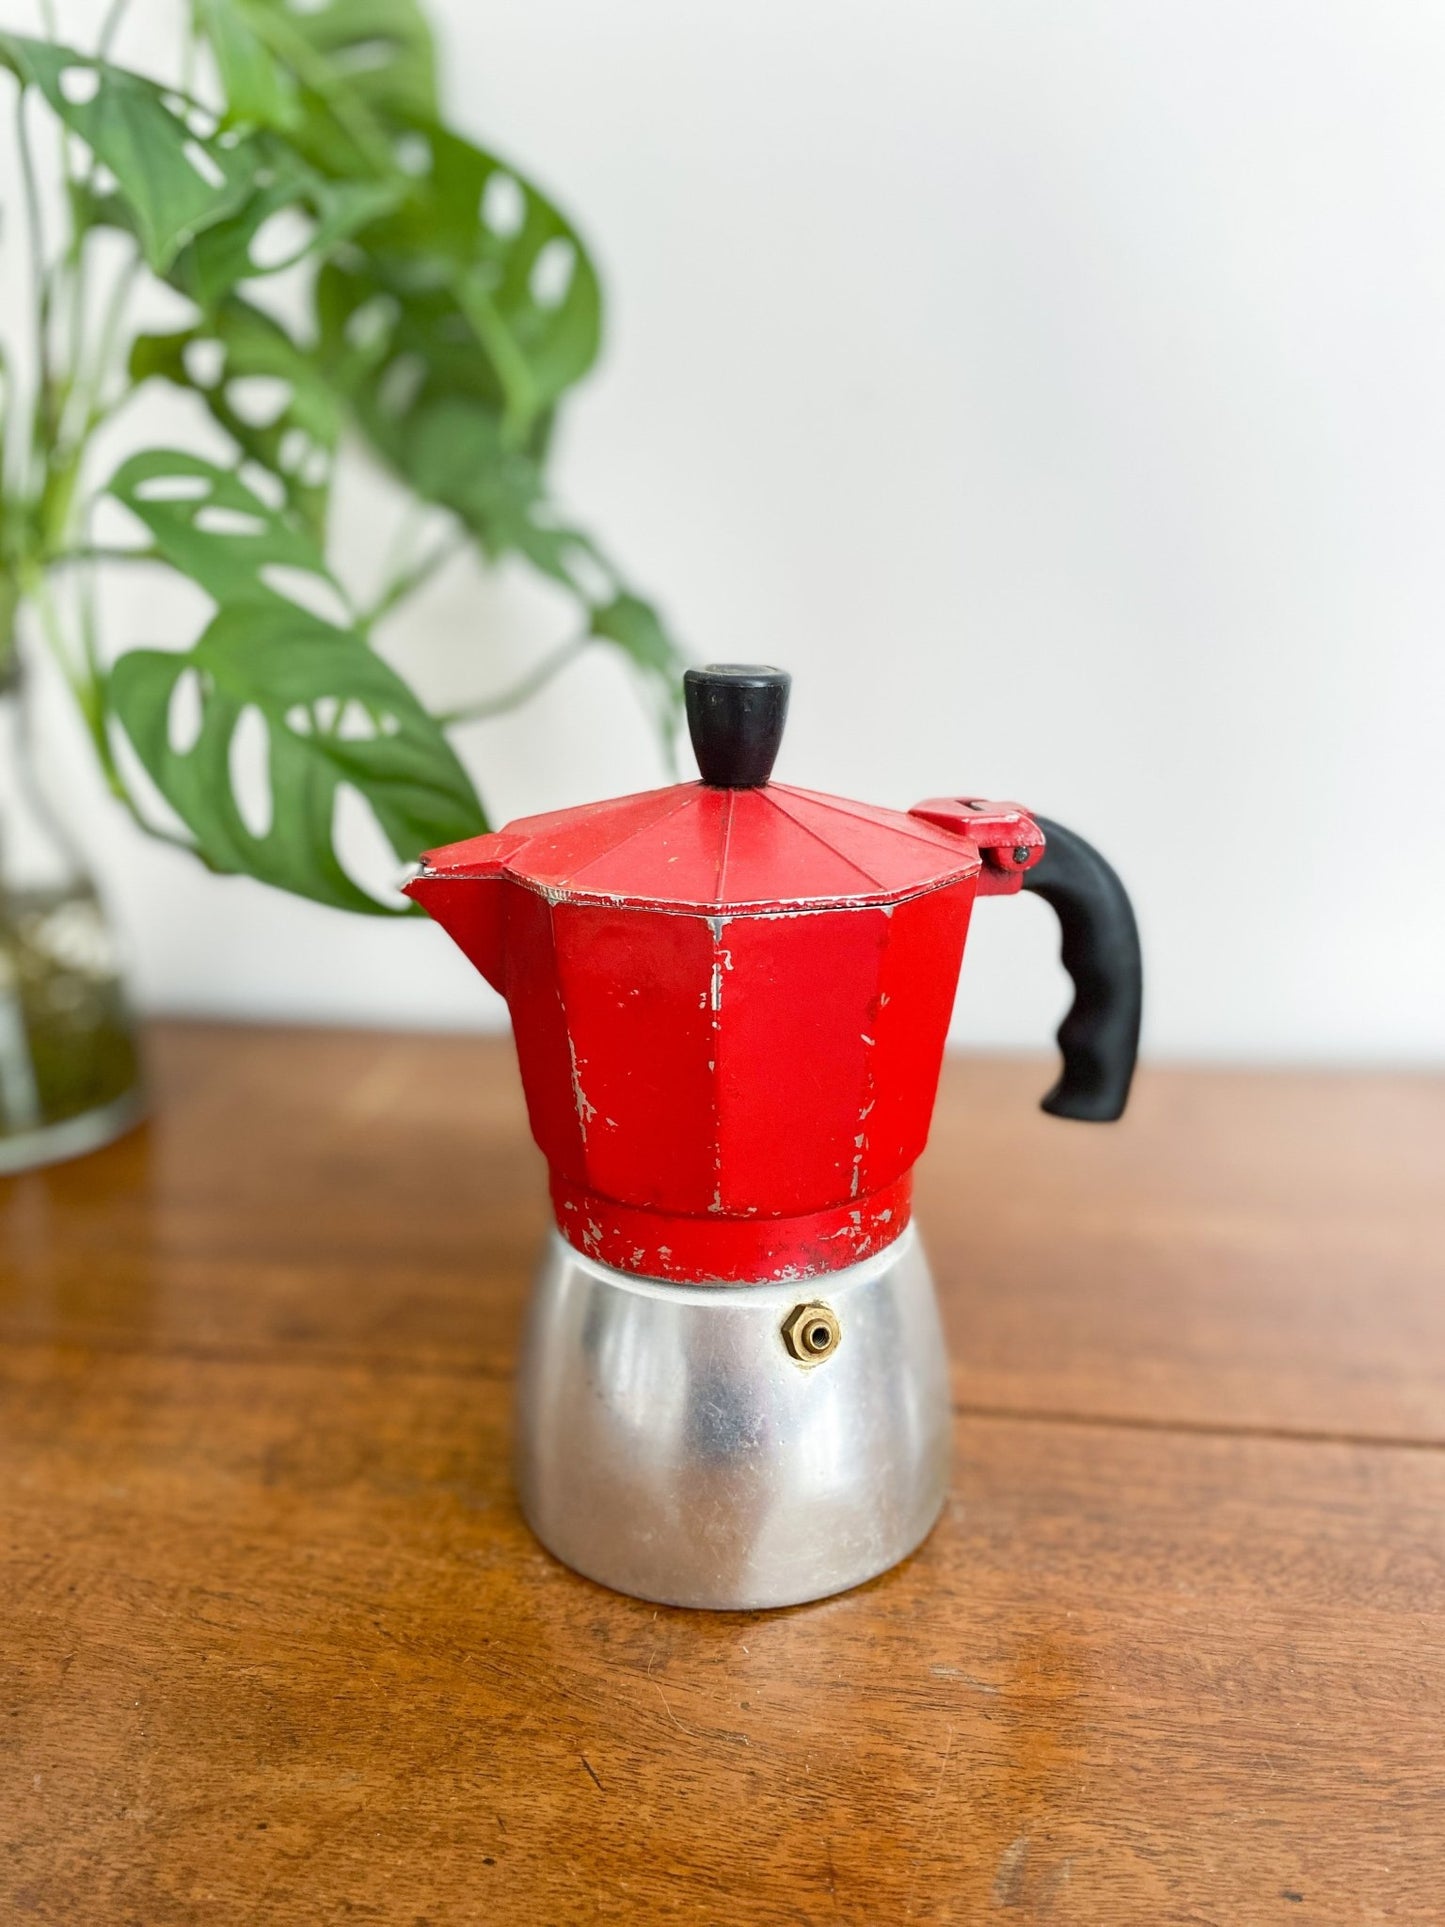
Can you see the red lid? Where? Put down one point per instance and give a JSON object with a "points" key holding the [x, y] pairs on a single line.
{"points": [[697, 847]]}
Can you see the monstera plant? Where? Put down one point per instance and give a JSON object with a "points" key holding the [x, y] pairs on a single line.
{"points": [[437, 307], [337, 269]]}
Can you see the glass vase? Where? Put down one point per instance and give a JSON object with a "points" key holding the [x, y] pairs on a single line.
{"points": [[69, 1066]]}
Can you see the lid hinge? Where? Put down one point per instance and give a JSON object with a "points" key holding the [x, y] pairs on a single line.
{"points": [[1006, 836]]}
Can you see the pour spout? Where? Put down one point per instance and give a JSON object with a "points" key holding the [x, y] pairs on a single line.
{"points": [[464, 889]]}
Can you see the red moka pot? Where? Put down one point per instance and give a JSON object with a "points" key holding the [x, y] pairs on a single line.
{"points": [[730, 1001]]}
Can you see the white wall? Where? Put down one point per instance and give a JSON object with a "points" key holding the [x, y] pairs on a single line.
{"points": [[1058, 388]]}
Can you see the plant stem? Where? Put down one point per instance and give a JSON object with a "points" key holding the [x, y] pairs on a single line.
{"points": [[38, 273], [525, 686], [90, 632], [77, 260], [280, 35], [89, 393], [120, 291], [37, 591], [9, 607], [188, 47], [73, 258], [86, 407], [85, 687], [108, 28], [98, 552], [408, 580]]}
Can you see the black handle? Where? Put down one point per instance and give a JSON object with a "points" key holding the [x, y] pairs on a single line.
{"points": [[1100, 948], [735, 716]]}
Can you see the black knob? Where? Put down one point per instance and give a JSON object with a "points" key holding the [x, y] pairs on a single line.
{"points": [[735, 715]]}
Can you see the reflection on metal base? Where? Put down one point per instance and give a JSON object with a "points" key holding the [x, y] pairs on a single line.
{"points": [[672, 1446]]}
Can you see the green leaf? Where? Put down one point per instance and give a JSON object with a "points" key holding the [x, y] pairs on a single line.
{"points": [[207, 523], [634, 627], [427, 401], [298, 443], [172, 176], [484, 285], [257, 88], [451, 451], [429, 407], [224, 256], [311, 684], [359, 66], [378, 51], [510, 264], [334, 713]]}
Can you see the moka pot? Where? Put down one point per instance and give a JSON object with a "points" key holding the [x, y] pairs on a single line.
{"points": [[730, 1000]]}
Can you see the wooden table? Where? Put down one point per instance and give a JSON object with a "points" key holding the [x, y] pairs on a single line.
{"points": [[278, 1648]]}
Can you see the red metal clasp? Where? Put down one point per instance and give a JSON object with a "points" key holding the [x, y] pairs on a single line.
{"points": [[1006, 835]]}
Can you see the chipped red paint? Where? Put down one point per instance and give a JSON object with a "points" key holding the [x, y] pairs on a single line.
{"points": [[730, 1009], [717, 1250], [694, 848]]}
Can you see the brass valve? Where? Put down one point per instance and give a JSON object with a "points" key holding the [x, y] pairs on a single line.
{"points": [[811, 1333]]}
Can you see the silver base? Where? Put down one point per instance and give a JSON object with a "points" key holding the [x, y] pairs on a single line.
{"points": [[672, 1446]]}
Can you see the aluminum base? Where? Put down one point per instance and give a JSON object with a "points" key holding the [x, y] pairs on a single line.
{"points": [[681, 1443]]}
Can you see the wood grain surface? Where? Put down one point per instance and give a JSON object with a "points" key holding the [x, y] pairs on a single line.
{"points": [[275, 1645]]}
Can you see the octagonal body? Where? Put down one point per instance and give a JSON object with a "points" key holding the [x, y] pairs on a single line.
{"points": [[730, 1013]]}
